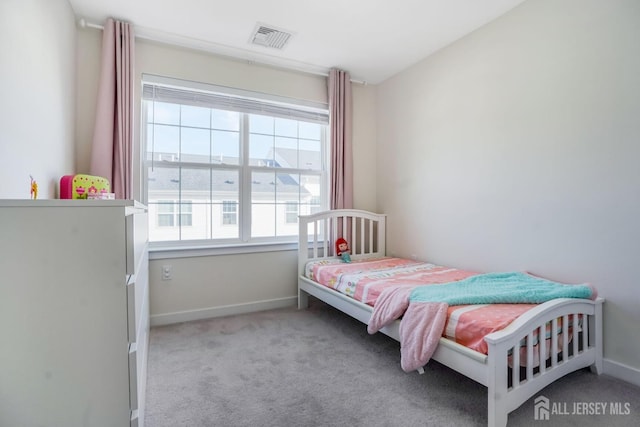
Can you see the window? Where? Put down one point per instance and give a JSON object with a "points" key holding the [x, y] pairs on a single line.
{"points": [[229, 213], [291, 213], [171, 213], [165, 213], [229, 166]]}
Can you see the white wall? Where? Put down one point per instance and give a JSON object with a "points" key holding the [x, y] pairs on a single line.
{"points": [[37, 106], [517, 147], [209, 285], [364, 147]]}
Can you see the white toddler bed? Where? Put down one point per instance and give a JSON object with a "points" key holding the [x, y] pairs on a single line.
{"points": [[507, 388]]}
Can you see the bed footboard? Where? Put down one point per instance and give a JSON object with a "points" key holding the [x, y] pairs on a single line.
{"points": [[573, 340]]}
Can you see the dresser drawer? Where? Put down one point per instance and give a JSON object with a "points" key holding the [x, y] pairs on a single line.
{"points": [[133, 377], [132, 324], [138, 300], [137, 234]]}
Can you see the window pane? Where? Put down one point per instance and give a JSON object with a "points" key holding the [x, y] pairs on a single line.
{"points": [[166, 113], [291, 210], [195, 185], [261, 150], [310, 194], [286, 127], [287, 188], [310, 189], [286, 143], [310, 155], [163, 183], [195, 116], [226, 224], [149, 141], [288, 196], [226, 148], [162, 226], [309, 130], [195, 145], [226, 195], [165, 143], [225, 120], [162, 192], [263, 220], [148, 108], [225, 185], [186, 214], [194, 219], [260, 124], [263, 187], [287, 219], [286, 153]]}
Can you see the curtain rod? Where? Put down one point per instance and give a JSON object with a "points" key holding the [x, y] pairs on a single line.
{"points": [[157, 36], [84, 24]]}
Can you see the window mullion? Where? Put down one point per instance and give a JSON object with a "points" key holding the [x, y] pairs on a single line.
{"points": [[180, 173], [275, 180], [326, 172], [209, 208], [245, 180]]}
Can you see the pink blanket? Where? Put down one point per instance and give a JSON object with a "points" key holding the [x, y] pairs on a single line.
{"points": [[420, 329]]}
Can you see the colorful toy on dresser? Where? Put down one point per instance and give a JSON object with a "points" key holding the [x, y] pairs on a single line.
{"points": [[82, 186]]}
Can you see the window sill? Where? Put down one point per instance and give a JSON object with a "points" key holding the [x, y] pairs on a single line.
{"points": [[169, 252]]}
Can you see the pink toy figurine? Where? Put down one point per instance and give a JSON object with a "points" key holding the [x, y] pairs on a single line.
{"points": [[342, 249]]}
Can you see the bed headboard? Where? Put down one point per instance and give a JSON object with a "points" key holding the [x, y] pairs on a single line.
{"points": [[365, 232]]}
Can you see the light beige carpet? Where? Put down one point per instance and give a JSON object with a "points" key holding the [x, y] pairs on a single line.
{"points": [[319, 367]]}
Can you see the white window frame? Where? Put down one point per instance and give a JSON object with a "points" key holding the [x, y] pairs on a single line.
{"points": [[245, 202]]}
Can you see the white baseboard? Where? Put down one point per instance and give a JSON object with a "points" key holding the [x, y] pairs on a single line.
{"points": [[226, 310], [621, 371]]}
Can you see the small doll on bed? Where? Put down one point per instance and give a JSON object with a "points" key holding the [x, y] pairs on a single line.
{"points": [[342, 250]]}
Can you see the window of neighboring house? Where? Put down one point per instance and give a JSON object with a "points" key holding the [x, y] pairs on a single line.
{"points": [[229, 212], [165, 213], [171, 213], [186, 217], [256, 161], [291, 213]]}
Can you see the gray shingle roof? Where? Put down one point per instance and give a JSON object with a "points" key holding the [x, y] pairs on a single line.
{"points": [[164, 176]]}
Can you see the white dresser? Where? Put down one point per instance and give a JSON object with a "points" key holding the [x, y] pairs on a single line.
{"points": [[74, 313]]}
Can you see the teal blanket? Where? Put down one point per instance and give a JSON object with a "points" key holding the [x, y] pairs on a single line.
{"points": [[499, 288]]}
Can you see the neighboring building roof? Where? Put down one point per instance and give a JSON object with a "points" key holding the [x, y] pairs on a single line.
{"points": [[289, 157], [193, 179]]}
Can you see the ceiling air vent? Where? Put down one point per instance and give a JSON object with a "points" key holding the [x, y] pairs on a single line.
{"points": [[269, 36]]}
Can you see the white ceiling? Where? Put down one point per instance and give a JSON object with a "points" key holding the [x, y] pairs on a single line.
{"points": [[372, 39]]}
